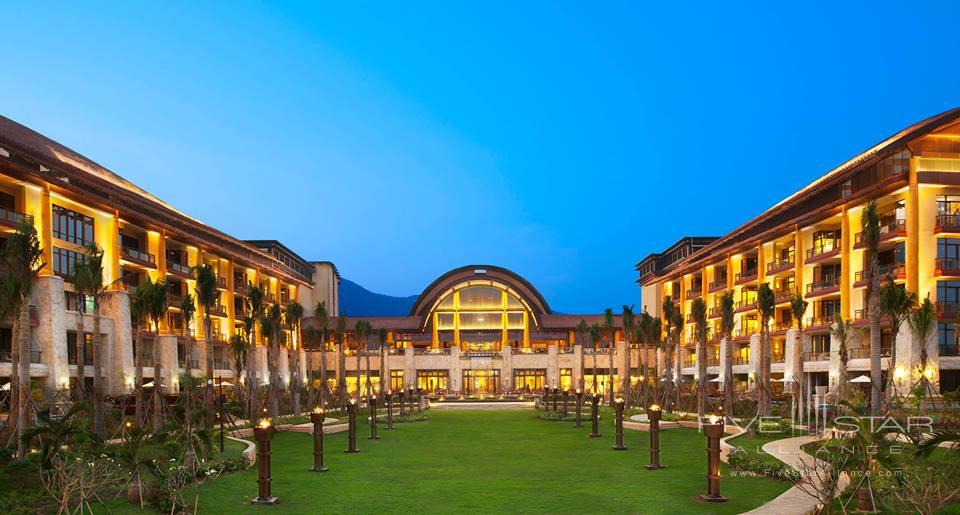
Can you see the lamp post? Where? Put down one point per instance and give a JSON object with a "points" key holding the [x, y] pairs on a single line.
{"points": [[317, 416], [410, 400], [618, 412], [352, 426], [389, 409], [595, 416], [653, 415], [566, 397], [714, 431], [372, 401], [263, 432], [400, 398], [419, 400], [579, 404], [556, 396]]}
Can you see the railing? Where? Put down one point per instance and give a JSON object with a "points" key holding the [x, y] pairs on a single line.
{"points": [[139, 255], [221, 282], [895, 270], [270, 297], [820, 321], [950, 350], [194, 363], [745, 305], [14, 218], [947, 308], [431, 352], [689, 362], [718, 284], [76, 302], [947, 267], [240, 287], [713, 362], [222, 364], [783, 326], [824, 250], [822, 285], [886, 231], [694, 293], [178, 268], [780, 264], [741, 360], [715, 311], [481, 354], [741, 332], [35, 356], [174, 299], [749, 275], [218, 309], [784, 295], [948, 222], [816, 356], [777, 357], [864, 352]]}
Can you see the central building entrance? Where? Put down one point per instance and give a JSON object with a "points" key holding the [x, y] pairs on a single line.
{"points": [[481, 382]]}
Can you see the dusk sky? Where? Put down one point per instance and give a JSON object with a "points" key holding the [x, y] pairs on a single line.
{"points": [[563, 141]]}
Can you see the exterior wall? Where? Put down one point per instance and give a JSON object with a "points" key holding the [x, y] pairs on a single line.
{"points": [[326, 288]]}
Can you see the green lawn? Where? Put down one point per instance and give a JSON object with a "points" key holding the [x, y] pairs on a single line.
{"points": [[752, 445], [487, 461]]}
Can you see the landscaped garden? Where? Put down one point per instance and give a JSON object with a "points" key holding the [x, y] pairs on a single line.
{"points": [[485, 461]]}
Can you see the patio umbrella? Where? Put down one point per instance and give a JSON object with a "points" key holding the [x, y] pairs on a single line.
{"points": [[150, 383], [861, 379], [716, 380]]}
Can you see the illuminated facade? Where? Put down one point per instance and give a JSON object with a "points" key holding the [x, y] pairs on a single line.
{"points": [[810, 243], [74, 202], [483, 330]]}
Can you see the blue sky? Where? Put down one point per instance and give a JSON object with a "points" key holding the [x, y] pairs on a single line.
{"points": [[565, 141]]}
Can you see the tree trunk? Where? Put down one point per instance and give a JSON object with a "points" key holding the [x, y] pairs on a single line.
{"points": [[81, 344], [366, 359], [610, 351], [252, 377], [892, 369], [875, 373], [358, 370], [668, 377], [627, 384], [763, 392], [23, 377], [342, 378], [208, 366], [157, 381], [272, 359], [138, 380], [323, 374], [98, 415], [383, 376], [701, 377], [296, 383], [728, 380]]}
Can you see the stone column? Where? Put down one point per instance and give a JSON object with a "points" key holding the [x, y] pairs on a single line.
{"points": [[168, 359], [506, 372], [409, 368], [834, 374], [622, 352], [263, 369], [754, 369], [303, 369], [908, 359], [553, 366], [577, 367], [455, 370], [284, 366], [118, 357], [51, 332], [724, 343]]}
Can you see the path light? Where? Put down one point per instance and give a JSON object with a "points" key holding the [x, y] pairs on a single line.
{"points": [[352, 426], [595, 416], [400, 398], [653, 415], [389, 409], [714, 431], [317, 416], [579, 404], [566, 397], [618, 411], [263, 432], [372, 401]]}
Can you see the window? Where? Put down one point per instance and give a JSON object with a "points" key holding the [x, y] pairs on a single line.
{"points": [[529, 379], [820, 343], [65, 262], [826, 241], [566, 379], [432, 380], [396, 380], [947, 340], [72, 348], [948, 248], [71, 226], [948, 291], [948, 204], [6, 344], [7, 202], [480, 382]]}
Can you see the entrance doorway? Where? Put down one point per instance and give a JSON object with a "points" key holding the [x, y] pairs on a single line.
{"points": [[481, 382]]}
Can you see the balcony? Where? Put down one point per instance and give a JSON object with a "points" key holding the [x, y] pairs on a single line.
{"points": [[951, 350], [218, 310], [174, 299], [221, 282], [780, 266], [818, 322], [717, 285], [179, 270], [35, 357], [741, 359], [864, 352], [240, 288], [777, 357], [747, 276], [947, 223], [781, 327], [139, 257], [694, 293], [431, 352], [744, 333], [13, 219], [745, 305], [898, 271], [823, 287], [816, 356], [948, 310], [784, 295], [889, 231], [713, 361], [222, 364], [715, 312], [947, 267], [823, 252]]}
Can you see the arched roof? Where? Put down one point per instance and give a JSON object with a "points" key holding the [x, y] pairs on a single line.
{"points": [[479, 274]]}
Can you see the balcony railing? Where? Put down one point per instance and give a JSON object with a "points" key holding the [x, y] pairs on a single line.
{"points": [[777, 357], [895, 270], [746, 276], [717, 285], [822, 286], [221, 282], [222, 364], [715, 311], [784, 295], [745, 305], [947, 267], [816, 356], [140, 256], [177, 268], [13, 218], [948, 223], [887, 231], [950, 350], [35, 356], [694, 293], [864, 352], [824, 250], [782, 326], [431, 352], [741, 332], [947, 309], [779, 265], [240, 287], [218, 310], [739, 359], [818, 321]]}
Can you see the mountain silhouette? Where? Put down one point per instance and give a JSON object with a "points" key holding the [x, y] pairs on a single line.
{"points": [[357, 301]]}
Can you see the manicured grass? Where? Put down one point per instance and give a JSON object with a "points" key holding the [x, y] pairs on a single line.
{"points": [[483, 462], [752, 445]]}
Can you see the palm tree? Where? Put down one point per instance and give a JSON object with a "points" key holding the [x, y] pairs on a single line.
{"points": [[582, 330], [384, 374], [842, 330], [611, 333], [270, 323], [208, 295], [897, 304], [594, 338], [88, 280], [629, 332], [138, 316], [648, 336], [798, 307], [323, 318], [360, 332], [727, 309], [23, 260], [238, 347], [155, 306], [672, 324], [766, 305], [254, 310], [923, 322], [187, 311], [698, 311], [339, 340], [870, 227], [294, 317]]}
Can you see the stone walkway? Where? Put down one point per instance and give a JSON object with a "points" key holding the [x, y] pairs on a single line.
{"points": [[481, 405]]}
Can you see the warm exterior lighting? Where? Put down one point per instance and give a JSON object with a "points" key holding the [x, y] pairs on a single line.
{"points": [[618, 421], [595, 416], [566, 398], [263, 432], [352, 426], [653, 415], [317, 416], [714, 431], [579, 406], [928, 373], [389, 409], [899, 374]]}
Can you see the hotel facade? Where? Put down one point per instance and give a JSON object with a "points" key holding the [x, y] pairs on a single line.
{"points": [[73, 202], [810, 243]]}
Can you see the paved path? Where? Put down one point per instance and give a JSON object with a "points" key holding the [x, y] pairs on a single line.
{"points": [[481, 405], [793, 500]]}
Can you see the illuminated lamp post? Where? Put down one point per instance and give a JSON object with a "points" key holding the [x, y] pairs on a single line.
{"points": [[389, 409], [410, 400], [653, 415], [618, 411], [566, 397], [373, 418], [714, 431], [579, 405], [317, 416], [400, 398], [595, 416], [263, 432], [352, 426]]}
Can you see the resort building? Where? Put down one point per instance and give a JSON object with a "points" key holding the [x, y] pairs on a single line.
{"points": [[74, 202], [810, 243], [481, 330]]}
